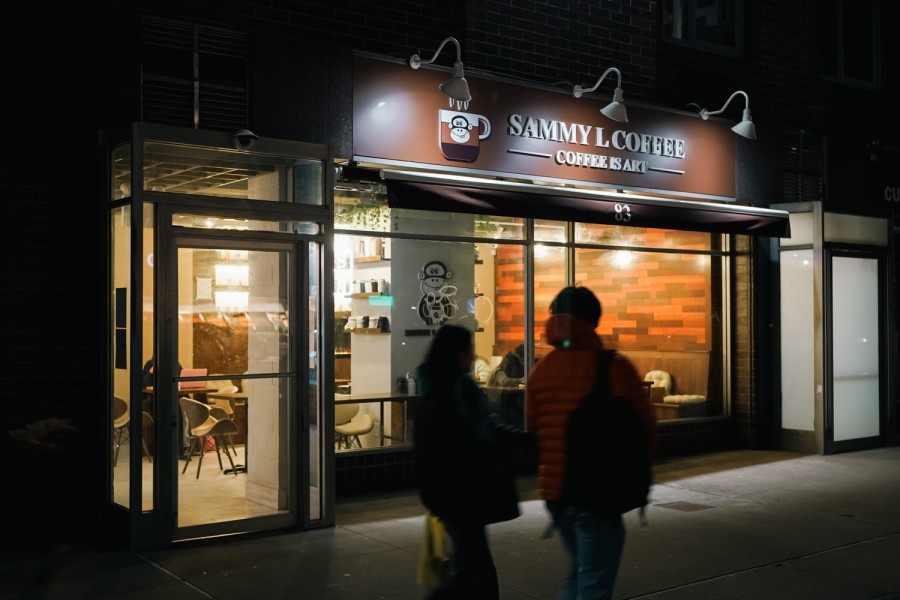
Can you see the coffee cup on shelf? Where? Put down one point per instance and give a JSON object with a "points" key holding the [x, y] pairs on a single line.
{"points": [[373, 322], [351, 324]]}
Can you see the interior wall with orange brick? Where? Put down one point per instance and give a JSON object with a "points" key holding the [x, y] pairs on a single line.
{"points": [[657, 301]]}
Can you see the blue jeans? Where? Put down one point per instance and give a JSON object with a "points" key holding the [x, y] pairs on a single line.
{"points": [[594, 546]]}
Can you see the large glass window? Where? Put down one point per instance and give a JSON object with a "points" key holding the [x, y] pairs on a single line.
{"points": [[663, 311], [400, 274], [393, 291], [201, 171], [120, 402]]}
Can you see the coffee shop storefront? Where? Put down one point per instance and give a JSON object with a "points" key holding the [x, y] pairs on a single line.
{"points": [[477, 213], [289, 294]]}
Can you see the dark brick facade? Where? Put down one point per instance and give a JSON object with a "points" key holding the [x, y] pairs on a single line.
{"points": [[69, 75]]}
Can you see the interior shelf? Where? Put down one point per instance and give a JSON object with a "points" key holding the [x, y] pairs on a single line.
{"points": [[369, 259], [369, 331]]}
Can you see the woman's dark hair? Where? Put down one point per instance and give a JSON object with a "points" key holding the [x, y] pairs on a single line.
{"points": [[442, 360]]}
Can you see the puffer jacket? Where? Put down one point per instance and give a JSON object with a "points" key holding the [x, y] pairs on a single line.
{"points": [[558, 383]]}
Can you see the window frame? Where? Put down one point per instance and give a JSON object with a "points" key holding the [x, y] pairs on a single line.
{"points": [[690, 39], [836, 64]]}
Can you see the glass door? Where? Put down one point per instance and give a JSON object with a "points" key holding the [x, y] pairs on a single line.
{"points": [[238, 336], [855, 410]]}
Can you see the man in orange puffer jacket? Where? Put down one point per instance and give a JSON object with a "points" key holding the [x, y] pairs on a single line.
{"points": [[556, 386]]}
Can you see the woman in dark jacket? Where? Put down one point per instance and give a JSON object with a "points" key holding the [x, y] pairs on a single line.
{"points": [[462, 475]]}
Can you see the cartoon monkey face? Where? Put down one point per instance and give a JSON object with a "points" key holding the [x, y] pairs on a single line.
{"points": [[459, 129], [434, 276]]}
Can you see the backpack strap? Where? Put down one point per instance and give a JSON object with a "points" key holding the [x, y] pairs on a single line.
{"points": [[601, 379]]}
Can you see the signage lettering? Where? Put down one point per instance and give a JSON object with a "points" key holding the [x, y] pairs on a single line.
{"points": [[576, 133], [600, 161], [544, 129], [892, 194]]}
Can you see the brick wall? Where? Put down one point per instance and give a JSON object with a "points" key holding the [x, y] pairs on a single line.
{"points": [[51, 179], [742, 395], [656, 301], [571, 42]]}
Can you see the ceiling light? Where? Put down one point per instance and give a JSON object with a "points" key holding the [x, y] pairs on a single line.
{"points": [[456, 88], [615, 110]]}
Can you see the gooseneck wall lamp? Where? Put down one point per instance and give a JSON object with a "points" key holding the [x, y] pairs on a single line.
{"points": [[615, 110], [456, 88], [745, 128]]}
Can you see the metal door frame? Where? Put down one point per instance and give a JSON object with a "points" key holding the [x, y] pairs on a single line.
{"points": [[169, 240], [832, 251]]}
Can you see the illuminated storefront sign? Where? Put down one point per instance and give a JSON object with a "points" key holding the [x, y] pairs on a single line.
{"points": [[401, 117]]}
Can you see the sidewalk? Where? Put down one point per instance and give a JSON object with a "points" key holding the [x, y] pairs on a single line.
{"points": [[743, 524]]}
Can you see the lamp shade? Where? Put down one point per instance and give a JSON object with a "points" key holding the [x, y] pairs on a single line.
{"points": [[615, 110], [746, 128], [457, 88]]}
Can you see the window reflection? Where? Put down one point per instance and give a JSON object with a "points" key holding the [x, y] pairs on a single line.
{"points": [[661, 289]]}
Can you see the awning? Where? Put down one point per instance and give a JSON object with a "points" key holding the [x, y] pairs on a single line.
{"points": [[452, 193]]}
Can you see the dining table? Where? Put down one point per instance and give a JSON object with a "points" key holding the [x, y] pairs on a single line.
{"points": [[507, 402], [381, 398]]}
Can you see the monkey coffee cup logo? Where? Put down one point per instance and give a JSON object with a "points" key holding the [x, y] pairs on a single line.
{"points": [[460, 134]]}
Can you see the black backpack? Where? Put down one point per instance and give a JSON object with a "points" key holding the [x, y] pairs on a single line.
{"points": [[608, 469]]}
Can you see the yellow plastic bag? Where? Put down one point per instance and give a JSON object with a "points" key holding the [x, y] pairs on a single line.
{"points": [[434, 555]]}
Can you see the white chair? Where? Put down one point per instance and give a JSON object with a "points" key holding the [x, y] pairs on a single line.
{"points": [[689, 405], [662, 384], [349, 425], [223, 408], [199, 425], [225, 405]]}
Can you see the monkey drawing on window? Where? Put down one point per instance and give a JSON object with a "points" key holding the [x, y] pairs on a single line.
{"points": [[437, 304]]}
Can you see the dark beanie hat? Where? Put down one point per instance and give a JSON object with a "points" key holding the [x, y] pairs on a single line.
{"points": [[578, 301]]}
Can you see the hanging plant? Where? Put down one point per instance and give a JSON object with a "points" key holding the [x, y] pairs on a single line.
{"points": [[366, 214]]}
